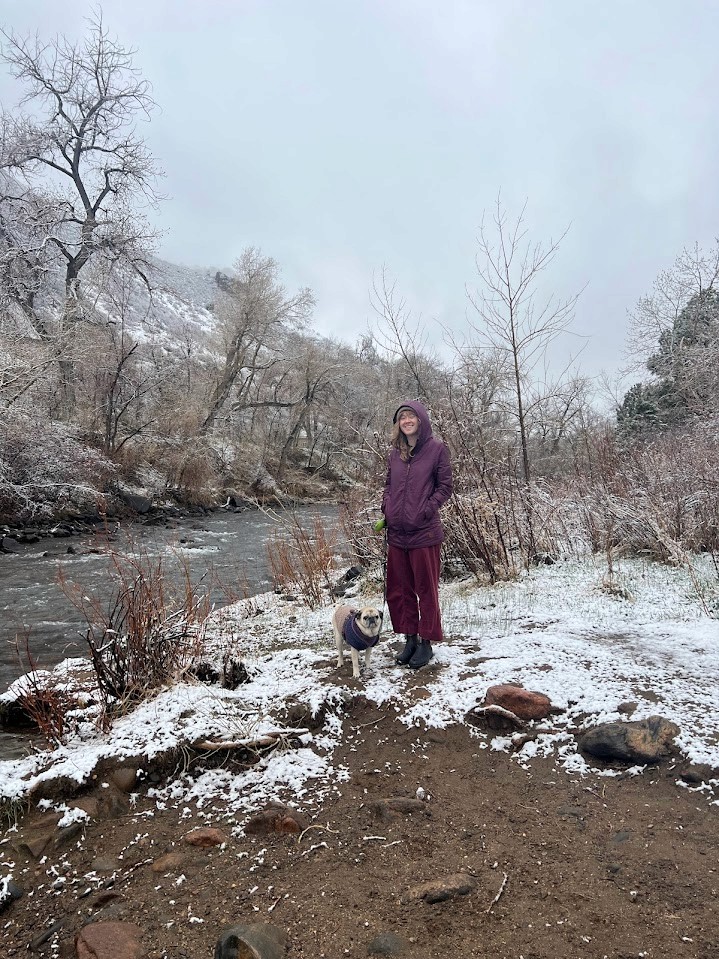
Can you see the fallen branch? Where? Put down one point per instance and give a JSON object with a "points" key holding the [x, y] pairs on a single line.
{"points": [[505, 880], [495, 710], [317, 826], [268, 739]]}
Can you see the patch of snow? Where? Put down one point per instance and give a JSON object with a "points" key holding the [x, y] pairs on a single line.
{"points": [[557, 630]]}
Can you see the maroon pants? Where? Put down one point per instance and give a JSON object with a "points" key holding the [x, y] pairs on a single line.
{"points": [[413, 591]]}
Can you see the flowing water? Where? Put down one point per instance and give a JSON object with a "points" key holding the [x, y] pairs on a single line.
{"points": [[224, 551]]}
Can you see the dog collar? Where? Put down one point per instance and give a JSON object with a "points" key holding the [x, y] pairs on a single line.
{"points": [[354, 636]]}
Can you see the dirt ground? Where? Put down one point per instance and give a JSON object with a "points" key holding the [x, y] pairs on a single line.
{"points": [[561, 867]]}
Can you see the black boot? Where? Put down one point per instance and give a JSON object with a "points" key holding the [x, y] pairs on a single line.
{"points": [[422, 655], [410, 645]]}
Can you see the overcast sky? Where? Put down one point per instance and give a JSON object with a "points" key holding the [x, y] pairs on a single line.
{"points": [[341, 136]]}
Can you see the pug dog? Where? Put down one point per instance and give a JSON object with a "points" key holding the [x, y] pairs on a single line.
{"points": [[359, 629]]}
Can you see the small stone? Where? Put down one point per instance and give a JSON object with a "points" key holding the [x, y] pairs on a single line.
{"points": [[45, 936], [168, 862], [387, 944], [697, 773], [275, 818], [205, 837], [109, 940], [383, 808], [9, 894], [125, 779], [255, 941], [440, 890]]}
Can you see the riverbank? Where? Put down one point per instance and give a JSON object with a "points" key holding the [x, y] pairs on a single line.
{"points": [[223, 552], [581, 840]]}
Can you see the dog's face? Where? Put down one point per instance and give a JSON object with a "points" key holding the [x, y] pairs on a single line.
{"points": [[369, 621]]}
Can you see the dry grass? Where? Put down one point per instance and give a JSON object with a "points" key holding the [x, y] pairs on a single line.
{"points": [[301, 559], [150, 632]]}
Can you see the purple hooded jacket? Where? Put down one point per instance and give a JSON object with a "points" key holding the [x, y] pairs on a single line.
{"points": [[415, 490]]}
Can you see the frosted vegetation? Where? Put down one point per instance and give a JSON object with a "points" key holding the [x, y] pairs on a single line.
{"points": [[593, 643], [119, 372]]}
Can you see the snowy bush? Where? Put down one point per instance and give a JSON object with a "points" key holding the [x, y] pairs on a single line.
{"points": [[45, 468]]}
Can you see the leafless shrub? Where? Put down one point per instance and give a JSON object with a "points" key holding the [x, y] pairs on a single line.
{"points": [[659, 498], [44, 467], [42, 700], [148, 635], [302, 558], [357, 518]]}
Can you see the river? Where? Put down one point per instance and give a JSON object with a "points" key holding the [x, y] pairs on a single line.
{"points": [[226, 551]]}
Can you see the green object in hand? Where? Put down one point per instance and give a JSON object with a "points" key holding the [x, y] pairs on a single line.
{"points": [[380, 525]]}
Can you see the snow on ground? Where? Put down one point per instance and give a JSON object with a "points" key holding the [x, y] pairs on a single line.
{"points": [[646, 637]]}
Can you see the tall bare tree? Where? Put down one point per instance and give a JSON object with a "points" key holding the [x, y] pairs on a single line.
{"points": [[401, 336], [694, 274], [79, 172], [254, 311], [512, 320]]}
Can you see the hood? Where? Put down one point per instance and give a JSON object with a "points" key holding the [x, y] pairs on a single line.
{"points": [[425, 425]]}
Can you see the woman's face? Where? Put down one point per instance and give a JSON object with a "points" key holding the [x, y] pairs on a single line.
{"points": [[409, 423]]}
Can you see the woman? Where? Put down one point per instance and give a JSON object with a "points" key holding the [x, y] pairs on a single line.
{"points": [[419, 481]]}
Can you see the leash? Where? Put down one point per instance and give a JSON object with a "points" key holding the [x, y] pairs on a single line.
{"points": [[384, 573], [381, 527]]}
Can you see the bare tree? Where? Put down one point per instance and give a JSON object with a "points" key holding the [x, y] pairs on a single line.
{"points": [[674, 335], [401, 336], [124, 376], [255, 310], [316, 370], [79, 172], [512, 321], [693, 275]]}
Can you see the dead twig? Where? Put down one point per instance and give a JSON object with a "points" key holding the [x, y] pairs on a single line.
{"points": [[591, 792], [317, 826], [505, 880]]}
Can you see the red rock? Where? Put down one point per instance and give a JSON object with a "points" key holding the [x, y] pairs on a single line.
{"points": [[275, 819], [109, 940], [205, 836], [168, 862], [522, 702]]}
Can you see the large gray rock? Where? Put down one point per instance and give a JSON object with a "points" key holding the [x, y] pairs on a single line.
{"points": [[255, 941], [136, 502], [644, 741], [9, 892]]}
